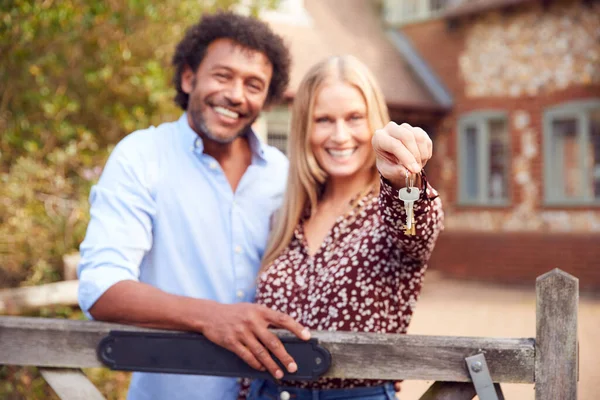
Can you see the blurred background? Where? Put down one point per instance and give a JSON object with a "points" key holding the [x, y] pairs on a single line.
{"points": [[509, 91]]}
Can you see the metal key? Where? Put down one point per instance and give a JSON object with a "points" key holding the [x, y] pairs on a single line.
{"points": [[409, 195]]}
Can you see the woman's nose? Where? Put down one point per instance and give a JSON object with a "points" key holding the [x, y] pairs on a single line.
{"points": [[341, 132]]}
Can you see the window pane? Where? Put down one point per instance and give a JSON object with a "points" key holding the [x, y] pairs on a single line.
{"points": [[568, 175], [594, 148], [410, 9], [438, 5], [278, 140], [278, 123], [471, 182], [498, 178]]}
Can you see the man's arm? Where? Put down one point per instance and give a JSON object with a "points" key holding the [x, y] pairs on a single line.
{"points": [[241, 328], [120, 234]]}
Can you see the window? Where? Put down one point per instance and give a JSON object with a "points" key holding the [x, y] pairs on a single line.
{"points": [[483, 156], [572, 153], [278, 140], [404, 11], [278, 122]]}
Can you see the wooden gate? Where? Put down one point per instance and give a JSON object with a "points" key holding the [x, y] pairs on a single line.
{"points": [[61, 347]]}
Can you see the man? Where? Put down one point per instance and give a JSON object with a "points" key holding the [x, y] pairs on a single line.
{"points": [[180, 216]]}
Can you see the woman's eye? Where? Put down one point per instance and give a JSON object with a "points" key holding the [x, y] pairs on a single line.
{"points": [[322, 120]]}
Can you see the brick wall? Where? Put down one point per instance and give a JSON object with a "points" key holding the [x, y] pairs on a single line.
{"points": [[447, 48], [531, 106], [443, 46], [518, 242], [518, 257], [440, 47]]}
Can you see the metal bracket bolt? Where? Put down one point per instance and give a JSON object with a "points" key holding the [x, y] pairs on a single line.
{"points": [[476, 366], [480, 375]]}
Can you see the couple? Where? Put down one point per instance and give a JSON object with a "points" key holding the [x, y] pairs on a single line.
{"points": [[186, 215]]}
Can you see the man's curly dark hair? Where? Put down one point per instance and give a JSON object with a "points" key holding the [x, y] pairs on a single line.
{"points": [[248, 32]]}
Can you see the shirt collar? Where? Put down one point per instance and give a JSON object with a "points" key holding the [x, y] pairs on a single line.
{"points": [[194, 141]]}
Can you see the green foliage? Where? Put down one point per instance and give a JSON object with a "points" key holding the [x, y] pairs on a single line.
{"points": [[23, 383], [76, 76]]}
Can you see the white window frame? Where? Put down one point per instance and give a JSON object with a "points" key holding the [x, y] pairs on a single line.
{"points": [[481, 120], [579, 110], [395, 12], [278, 125]]}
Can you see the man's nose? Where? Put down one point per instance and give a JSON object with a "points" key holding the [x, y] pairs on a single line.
{"points": [[235, 92]]}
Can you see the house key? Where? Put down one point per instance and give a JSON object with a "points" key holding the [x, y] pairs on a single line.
{"points": [[409, 195]]}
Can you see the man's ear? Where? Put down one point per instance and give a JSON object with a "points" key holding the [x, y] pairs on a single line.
{"points": [[187, 79]]}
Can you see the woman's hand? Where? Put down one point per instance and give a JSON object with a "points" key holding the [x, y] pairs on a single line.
{"points": [[401, 148]]}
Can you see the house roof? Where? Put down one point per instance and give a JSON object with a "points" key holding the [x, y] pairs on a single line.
{"points": [[467, 7], [354, 27]]}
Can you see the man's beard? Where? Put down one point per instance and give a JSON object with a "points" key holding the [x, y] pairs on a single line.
{"points": [[202, 128]]}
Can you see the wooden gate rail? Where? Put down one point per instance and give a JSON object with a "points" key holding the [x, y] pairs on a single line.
{"points": [[61, 347]]}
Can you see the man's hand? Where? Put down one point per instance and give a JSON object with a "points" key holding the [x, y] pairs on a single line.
{"points": [[243, 329], [401, 148]]}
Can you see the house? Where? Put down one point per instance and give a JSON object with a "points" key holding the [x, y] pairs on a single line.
{"points": [[316, 29], [518, 156], [510, 93]]}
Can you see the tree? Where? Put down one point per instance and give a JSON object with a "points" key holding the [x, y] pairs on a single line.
{"points": [[76, 76]]}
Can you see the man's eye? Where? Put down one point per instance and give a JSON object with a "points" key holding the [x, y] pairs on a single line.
{"points": [[254, 87]]}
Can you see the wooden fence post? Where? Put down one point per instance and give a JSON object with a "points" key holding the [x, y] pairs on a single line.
{"points": [[71, 384], [556, 358]]}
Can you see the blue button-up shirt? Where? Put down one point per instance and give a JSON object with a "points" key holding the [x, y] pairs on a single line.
{"points": [[164, 213]]}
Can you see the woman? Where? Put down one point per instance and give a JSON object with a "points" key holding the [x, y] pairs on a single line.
{"points": [[340, 256]]}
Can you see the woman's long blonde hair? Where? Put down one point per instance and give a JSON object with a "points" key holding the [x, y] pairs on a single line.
{"points": [[306, 178]]}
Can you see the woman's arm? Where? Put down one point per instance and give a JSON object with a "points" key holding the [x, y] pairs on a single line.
{"points": [[403, 150]]}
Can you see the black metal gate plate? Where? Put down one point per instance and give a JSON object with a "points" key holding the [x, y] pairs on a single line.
{"points": [[192, 353]]}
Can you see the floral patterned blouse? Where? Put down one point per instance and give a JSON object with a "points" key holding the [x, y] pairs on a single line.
{"points": [[365, 277]]}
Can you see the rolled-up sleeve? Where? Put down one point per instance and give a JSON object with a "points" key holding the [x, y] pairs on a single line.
{"points": [[119, 233]]}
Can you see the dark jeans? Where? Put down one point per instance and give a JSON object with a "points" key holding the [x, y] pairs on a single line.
{"points": [[268, 390]]}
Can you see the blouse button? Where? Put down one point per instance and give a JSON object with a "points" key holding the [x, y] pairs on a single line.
{"points": [[284, 395]]}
